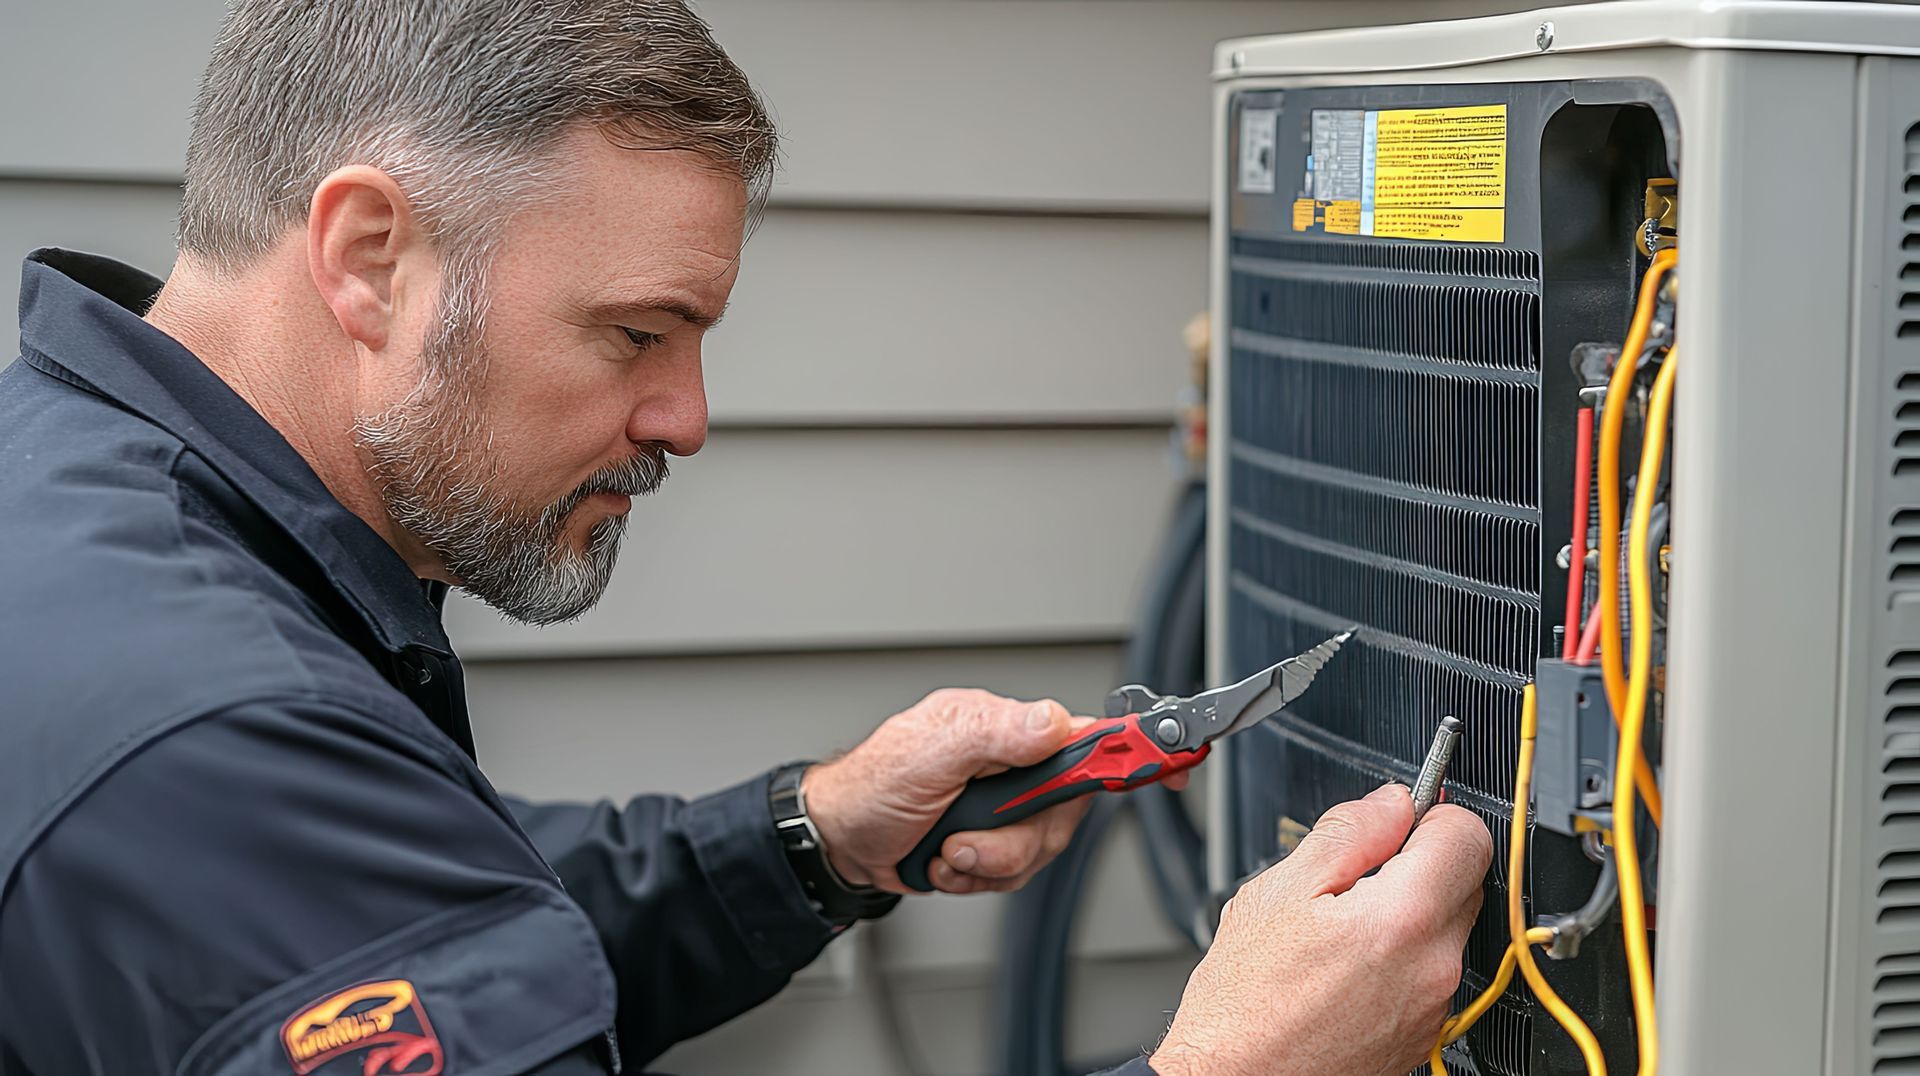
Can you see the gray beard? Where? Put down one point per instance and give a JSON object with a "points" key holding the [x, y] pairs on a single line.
{"points": [[430, 457]]}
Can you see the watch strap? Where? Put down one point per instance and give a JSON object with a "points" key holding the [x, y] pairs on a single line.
{"points": [[832, 896]]}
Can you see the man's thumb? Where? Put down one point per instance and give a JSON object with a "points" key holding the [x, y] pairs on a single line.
{"points": [[1027, 734], [1351, 839]]}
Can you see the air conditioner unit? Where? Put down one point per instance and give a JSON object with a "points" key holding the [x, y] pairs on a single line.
{"points": [[1428, 248]]}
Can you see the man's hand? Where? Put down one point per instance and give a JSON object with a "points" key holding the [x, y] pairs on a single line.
{"points": [[1317, 970], [876, 802]]}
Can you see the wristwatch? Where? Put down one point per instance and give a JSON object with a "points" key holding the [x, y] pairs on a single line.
{"points": [[829, 893]]}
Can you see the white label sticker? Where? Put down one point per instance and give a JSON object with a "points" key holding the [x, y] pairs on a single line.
{"points": [[1258, 127]]}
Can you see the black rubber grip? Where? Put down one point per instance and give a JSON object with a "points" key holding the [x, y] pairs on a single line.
{"points": [[977, 807]]}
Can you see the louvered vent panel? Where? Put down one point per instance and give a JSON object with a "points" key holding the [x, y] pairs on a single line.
{"points": [[1896, 1014], [1904, 547], [1893, 891], [1899, 892]]}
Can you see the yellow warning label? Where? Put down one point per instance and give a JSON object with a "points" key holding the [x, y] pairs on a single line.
{"points": [[1343, 218], [1441, 156], [1302, 214], [1466, 225], [1440, 173]]}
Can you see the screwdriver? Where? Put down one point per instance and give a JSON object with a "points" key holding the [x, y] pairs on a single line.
{"points": [[1433, 772]]}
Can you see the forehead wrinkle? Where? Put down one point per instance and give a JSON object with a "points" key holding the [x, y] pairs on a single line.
{"points": [[671, 281]]}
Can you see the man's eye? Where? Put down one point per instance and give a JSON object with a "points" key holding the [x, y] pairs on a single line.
{"points": [[642, 341]]}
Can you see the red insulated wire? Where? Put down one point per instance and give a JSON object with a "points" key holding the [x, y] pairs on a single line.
{"points": [[1577, 563], [1589, 639]]}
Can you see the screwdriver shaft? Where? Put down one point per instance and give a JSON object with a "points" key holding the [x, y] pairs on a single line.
{"points": [[1426, 789]]}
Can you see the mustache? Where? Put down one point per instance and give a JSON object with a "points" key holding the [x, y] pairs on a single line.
{"points": [[643, 473], [636, 476]]}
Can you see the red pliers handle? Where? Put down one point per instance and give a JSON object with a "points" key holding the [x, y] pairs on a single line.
{"points": [[1145, 738], [1113, 755]]}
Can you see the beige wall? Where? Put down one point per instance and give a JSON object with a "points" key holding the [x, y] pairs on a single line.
{"points": [[940, 414]]}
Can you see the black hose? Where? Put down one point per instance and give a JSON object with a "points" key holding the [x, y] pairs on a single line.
{"points": [[1030, 985], [1175, 663], [1167, 653]]}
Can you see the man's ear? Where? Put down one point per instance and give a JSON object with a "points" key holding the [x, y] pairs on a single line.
{"points": [[360, 232]]}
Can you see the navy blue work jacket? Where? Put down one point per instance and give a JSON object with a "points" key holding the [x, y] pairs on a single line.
{"points": [[241, 827]]}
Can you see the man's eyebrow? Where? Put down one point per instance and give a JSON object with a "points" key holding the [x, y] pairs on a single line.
{"points": [[693, 313]]}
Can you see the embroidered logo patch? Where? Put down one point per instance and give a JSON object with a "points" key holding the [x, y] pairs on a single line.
{"points": [[383, 1019]]}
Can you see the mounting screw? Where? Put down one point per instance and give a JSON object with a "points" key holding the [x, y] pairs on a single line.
{"points": [[1239, 60], [1168, 730], [1543, 37]]}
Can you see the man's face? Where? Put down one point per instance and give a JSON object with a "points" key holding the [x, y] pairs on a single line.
{"points": [[549, 394]]}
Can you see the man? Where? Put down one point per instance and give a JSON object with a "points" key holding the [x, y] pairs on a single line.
{"points": [[444, 273]]}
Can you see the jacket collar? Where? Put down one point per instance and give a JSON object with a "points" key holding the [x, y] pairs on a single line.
{"points": [[80, 321]]}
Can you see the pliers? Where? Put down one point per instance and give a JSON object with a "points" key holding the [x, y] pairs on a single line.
{"points": [[1145, 738]]}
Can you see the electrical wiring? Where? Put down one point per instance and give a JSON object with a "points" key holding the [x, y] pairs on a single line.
{"points": [[1517, 916], [1627, 690], [1577, 547], [1463, 1021], [1589, 639], [1612, 422], [1633, 909], [1460, 1024], [1520, 950]]}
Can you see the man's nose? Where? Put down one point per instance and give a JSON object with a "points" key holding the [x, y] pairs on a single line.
{"points": [[673, 411]]}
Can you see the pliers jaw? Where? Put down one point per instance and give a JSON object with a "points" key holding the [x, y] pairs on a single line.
{"points": [[1180, 724], [1131, 699]]}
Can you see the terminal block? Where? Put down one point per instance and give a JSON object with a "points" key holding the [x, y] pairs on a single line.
{"points": [[1574, 752]]}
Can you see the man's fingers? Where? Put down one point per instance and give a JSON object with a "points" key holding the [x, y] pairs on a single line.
{"points": [[1019, 848], [947, 880], [1444, 861], [1349, 840]]}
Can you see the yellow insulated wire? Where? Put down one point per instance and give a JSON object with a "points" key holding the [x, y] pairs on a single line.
{"points": [[1517, 917], [1520, 949], [1460, 1024], [1457, 1026], [1626, 852], [1612, 420]]}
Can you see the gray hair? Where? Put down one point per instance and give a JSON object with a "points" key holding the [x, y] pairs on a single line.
{"points": [[460, 101]]}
